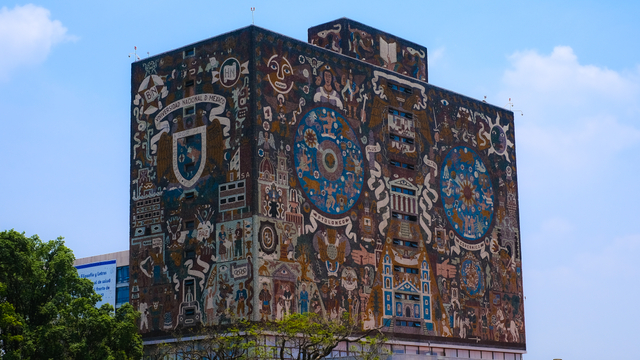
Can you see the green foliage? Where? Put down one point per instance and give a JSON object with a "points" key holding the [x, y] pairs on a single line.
{"points": [[48, 312], [311, 336], [371, 348], [237, 342], [298, 336]]}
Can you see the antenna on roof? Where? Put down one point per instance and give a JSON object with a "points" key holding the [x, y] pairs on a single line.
{"points": [[135, 53], [510, 107], [252, 10]]}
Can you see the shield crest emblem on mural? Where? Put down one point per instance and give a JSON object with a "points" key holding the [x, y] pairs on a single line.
{"points": [[189, 154]]}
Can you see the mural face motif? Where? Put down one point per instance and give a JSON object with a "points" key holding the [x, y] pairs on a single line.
{"points": [[498, 139], [467, 193], [280, 74], [328, 160]]}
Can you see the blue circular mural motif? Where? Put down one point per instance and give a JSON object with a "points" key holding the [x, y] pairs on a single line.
{"points": [[328, 160], [467, 194]]}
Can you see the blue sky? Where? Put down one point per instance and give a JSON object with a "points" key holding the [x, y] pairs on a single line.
{"points": [[571, 67]]}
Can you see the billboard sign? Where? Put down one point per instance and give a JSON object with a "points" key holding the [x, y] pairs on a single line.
{"points": [[103, 276]]}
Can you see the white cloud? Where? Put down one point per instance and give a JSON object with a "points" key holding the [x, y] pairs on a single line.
{"points": [[576, 145], [595, 140], [560, 80], [574, 114], [555, 232], [576, 301], [435, 56], [611, 265], [557, 225], [617, 258], [27, 34]]}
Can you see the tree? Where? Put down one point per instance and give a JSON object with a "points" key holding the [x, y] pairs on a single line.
{"points": [[371, 348], [235, 342], [48, 312], [311, 336], [299, 336]]}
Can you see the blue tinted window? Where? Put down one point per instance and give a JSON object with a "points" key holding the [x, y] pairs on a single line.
{"points": [[122, 274], [122, 295]]}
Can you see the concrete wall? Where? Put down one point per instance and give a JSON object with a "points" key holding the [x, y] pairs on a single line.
{"points": [[121, 257]]}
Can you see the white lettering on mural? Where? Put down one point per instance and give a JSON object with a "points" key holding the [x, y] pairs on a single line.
{"points": [[230, 72], [372, 149], [331, 222], [163, 126], [151, 94], [469, 247]]}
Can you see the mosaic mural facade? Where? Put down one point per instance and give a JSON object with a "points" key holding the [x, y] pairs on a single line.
{"points": [[373, 46], [271, 176]]}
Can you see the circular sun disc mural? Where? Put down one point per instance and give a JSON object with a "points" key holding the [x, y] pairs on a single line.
{"points": [[328, 160], [467, 194]]}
